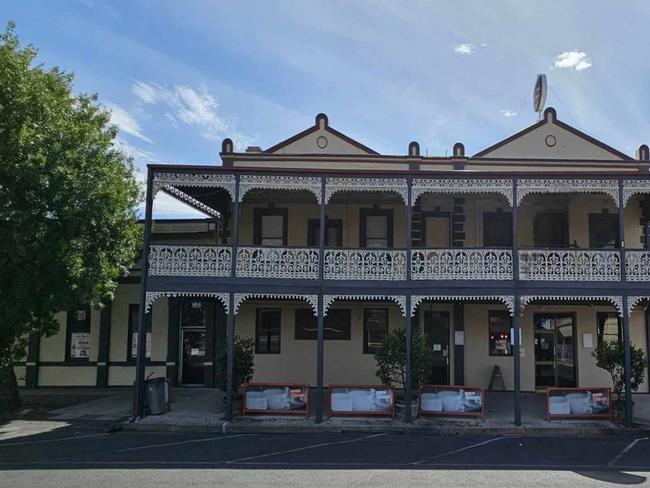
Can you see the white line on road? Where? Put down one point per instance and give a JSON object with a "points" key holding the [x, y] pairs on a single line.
{"points": [[53, 440], [455, 451], [298, 449], [151, 446], [625, 450]]}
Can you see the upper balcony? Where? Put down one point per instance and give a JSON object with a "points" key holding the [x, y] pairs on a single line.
{"points": [[461, 229]]}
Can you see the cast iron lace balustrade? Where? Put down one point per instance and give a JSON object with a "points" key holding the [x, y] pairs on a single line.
{"points": [[365, 264], [637, 265], [461, 264], [570, 265], [189, 261], [277, 262]]}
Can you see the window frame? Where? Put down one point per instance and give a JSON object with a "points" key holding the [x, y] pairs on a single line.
{"points": [[258, 313], [600, 326], [134, 311], [565, 231], [502, 313], [440, 215], [68, 333], [375, 212], [366, 350], [489, 215], [608, 216], [313, 235], [261, 212], [347, 335]]}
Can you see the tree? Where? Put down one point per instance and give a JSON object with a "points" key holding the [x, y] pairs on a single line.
{"points": [[610, 356], [243, 362], [68, 200], [391, 358]]}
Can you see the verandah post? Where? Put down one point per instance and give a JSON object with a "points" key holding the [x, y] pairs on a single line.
{"points": [[230, 321], [407, 306], [320, 338], [516, 319], [140, 358], [627, 360]]}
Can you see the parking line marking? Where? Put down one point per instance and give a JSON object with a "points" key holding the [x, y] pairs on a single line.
{"points": [[456, 451], [52, 440], [298, 449], [151, 446], [625, 450]]}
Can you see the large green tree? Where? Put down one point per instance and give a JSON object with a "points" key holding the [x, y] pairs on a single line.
{"points": [[68, 200]]}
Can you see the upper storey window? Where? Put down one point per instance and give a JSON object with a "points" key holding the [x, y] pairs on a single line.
{"points": [[270, 227], [376, 228]]}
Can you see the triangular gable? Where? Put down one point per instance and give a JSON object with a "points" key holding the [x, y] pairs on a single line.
{"points": [[320, 139], [551, 138]]}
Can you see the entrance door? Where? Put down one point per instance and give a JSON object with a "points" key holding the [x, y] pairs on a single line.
{"points": [[555, 350], [436, 333], [193, 352]]}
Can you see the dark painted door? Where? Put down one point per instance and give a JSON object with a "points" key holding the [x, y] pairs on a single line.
{"points": [[555, 350], [193, 350], [436, 333]]}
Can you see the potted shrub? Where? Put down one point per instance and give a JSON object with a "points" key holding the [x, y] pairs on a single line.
{"points": [[243, 363], [610, 356], [391, 364]]}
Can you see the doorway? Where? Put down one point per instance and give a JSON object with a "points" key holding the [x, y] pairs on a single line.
{"points": [[436, 334], [193, 343], [436, 229], [555, 350]]}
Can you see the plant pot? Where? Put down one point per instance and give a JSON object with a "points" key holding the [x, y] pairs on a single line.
{"points": [[400, 407]]}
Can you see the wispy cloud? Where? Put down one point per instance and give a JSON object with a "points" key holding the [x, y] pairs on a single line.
{"points": [[465, 49], [576, 60], [126, 122], [507, 113], [193, 107]]}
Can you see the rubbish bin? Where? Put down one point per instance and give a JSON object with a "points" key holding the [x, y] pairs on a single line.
{"points": [[157, 395]]}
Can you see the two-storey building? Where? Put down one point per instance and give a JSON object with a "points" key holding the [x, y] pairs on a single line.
{"points": [[525, 255]]}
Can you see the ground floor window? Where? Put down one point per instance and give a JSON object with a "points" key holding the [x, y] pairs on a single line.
{"points": [[500, 323], [134, 320], [78, 334], [337, 325], [375, 329], [267, 331], [608, 327]]}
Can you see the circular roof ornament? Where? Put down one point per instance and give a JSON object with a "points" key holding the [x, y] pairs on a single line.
{"points": [[321, 142], [550, 141]]}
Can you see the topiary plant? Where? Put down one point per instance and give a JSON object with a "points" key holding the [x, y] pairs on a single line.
{"points": [[391, 358], [243, 362]]}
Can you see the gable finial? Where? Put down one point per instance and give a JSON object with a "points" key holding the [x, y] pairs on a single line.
{"points": [[414, 148], [643, 153], [227, 146], [459, 150], [550, 114], [321, 121]]}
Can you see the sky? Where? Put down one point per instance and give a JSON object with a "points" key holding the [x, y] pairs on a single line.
{"points": [[179, 76]]}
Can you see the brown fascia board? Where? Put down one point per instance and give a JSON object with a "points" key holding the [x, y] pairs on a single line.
{"points": [[554, 120]]}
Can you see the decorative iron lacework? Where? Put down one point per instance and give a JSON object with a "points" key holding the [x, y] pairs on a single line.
{"points": [[152, 296], [637, 265], [527, 186], [461, 185], [189, 260], [461, 264], [197, 180], [263, 182], [181, 195], [634, 187], [400, 300], [569, 265], [633, 301], [365, 264], [615, 300], [239, 298], [265, 262], [395, 185], [508, 300]]}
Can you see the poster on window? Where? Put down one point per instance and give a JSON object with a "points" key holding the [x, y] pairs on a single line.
{"points": [[79, 345], [134, 345]]}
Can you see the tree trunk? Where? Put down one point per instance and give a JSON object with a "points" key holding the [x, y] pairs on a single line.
{"points": [[9, 395]]}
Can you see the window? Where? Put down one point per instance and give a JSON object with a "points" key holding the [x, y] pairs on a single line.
{"points": [[437, 229], [267, 331], [134, 320], [376, 228], [551, 230], [500, 323], [77, 336], [603, 231], [270, 227], [337, 325], [333, 233], [194, 313], [608, 327], [375, 329], [497, 229]]}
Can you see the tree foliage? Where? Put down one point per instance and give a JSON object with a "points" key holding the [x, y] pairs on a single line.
{"points": [[68, 200], [243, 359], [391, 358], [610, 356]]}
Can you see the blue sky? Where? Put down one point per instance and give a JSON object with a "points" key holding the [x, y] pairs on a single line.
{"points": [[182, 75]]}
